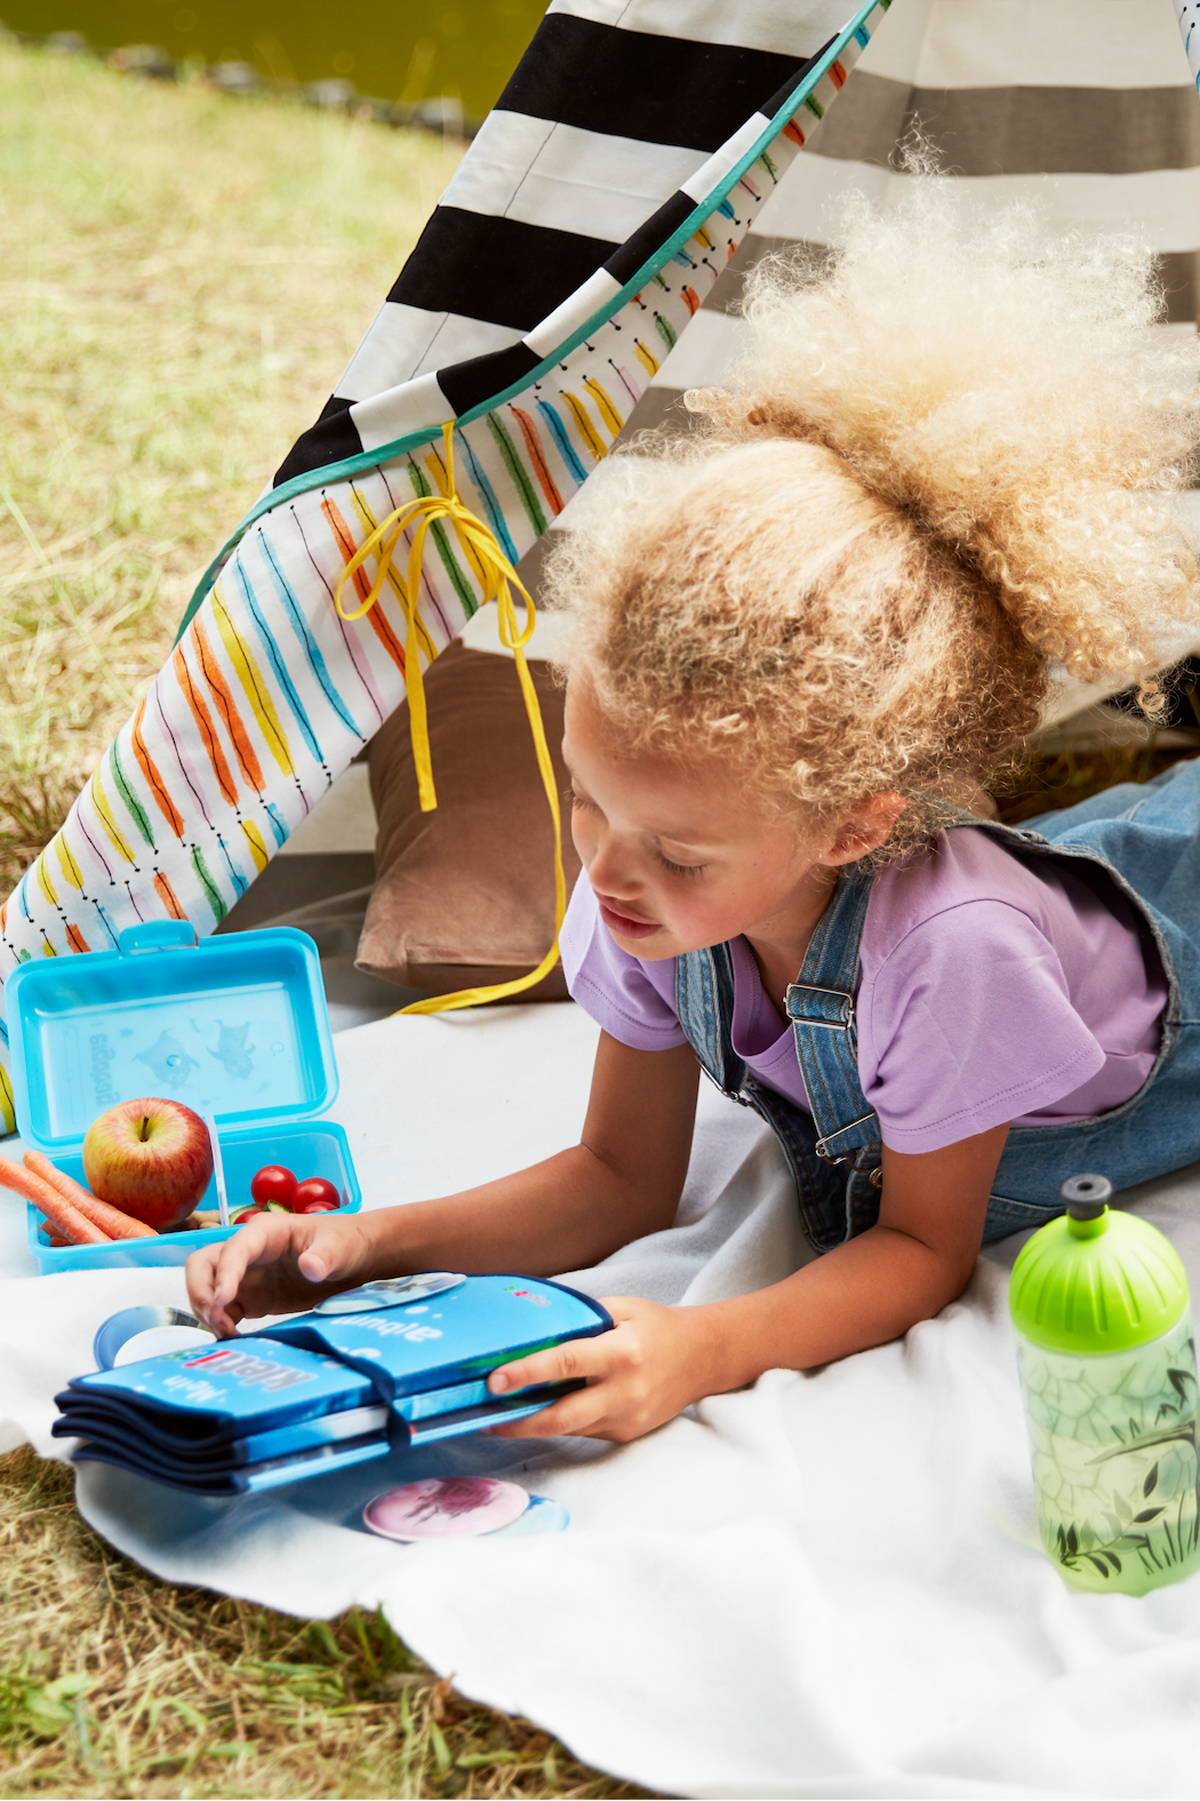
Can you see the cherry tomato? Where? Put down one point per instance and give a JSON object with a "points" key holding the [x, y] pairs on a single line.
{"points": [[273, 1183], [239, 1219], [316, 1195]]}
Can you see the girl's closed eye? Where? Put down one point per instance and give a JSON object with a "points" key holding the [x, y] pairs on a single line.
{"points": [[679, 868]]}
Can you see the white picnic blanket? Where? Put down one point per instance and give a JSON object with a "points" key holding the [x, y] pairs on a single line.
{"points": [[826, 1585]]}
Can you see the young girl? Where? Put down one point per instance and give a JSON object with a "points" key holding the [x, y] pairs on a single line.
{"points": [[939, 476]]}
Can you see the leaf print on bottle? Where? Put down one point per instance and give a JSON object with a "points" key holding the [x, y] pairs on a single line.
{"points": [[1180, 1381], [1114, 1447]]}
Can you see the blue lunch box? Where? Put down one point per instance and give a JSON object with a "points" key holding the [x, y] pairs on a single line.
{"points": [[234, 1025]]}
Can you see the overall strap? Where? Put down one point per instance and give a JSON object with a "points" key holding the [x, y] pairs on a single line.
{"points": [[833, 1207], [829, 1211], [820, 1005], [704, 1003]]}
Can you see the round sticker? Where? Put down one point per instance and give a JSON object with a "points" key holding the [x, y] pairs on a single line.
{"points": [[393, 1291], [445, 1507]]}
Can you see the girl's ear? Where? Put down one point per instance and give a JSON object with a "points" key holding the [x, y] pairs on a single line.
{"points": [[864, 828]]}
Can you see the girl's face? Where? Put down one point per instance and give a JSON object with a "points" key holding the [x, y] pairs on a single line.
{"points": [[681, 856]]}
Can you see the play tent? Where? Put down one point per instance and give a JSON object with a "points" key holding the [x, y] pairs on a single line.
{"points": [[582, 269]]}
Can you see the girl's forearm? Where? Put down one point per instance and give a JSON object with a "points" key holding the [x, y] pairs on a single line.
{"points": [[571, 1211], [906, 1268], [862, 1294]]}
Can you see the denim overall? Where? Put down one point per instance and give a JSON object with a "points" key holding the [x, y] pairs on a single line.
{"points": [[1145, 839]]}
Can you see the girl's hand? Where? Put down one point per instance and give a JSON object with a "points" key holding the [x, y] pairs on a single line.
{"points": [[639, 1375], [279, 1263]]}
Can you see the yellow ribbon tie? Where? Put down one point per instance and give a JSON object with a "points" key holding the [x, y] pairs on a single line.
{"points": [[497, 578]]}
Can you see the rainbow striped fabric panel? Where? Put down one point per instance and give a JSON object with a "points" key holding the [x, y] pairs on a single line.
{"points": [[269, 693]]}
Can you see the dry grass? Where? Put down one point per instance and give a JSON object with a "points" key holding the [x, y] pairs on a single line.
{"points": [[113, 1684], [182, 278]]}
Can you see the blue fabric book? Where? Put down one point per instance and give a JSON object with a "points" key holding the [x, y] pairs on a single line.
{"points": [[394, 1363]]}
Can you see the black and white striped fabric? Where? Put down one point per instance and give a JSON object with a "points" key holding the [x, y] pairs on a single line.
{"points": [[601, 144], [1090, 109], [614, 112]]}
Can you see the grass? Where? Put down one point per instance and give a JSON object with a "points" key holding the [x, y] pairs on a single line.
{"points": [[114, 1684], [182, 279]]}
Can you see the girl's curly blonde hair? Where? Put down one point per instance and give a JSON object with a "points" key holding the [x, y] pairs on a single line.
{"points": [[942, 464]]}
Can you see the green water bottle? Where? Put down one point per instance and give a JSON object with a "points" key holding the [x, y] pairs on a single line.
{"points": [[1099, 1303]]}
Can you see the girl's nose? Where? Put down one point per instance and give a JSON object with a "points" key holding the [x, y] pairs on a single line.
{"points": [[610, 868]]}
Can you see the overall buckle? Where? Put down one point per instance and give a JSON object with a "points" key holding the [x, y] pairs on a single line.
{"points": [[845, 1010], [822, 1145]]}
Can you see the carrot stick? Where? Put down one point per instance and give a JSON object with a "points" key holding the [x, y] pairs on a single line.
{"points": [[59, 1213], [110, 1219]]}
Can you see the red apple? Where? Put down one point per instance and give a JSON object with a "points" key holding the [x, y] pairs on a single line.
{"points": [[151, 1158]]}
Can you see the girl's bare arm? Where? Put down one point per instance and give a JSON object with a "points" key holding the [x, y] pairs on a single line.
{"points": [[906, 1268], [917, 1259], [621, 1181]]}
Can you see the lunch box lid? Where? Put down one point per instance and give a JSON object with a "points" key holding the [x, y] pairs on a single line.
{"points": [[235, 1025]]}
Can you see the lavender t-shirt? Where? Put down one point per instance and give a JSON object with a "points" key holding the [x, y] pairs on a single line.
{"points": [[991, 990]]}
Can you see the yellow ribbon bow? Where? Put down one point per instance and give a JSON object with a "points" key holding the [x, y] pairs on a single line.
{"points": [[497, 578]]}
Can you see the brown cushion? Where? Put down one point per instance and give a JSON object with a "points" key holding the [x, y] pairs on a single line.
{"points": [[465, 894]]}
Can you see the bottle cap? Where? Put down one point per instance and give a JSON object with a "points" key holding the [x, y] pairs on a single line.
{"points": [[1094, 1280]]}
